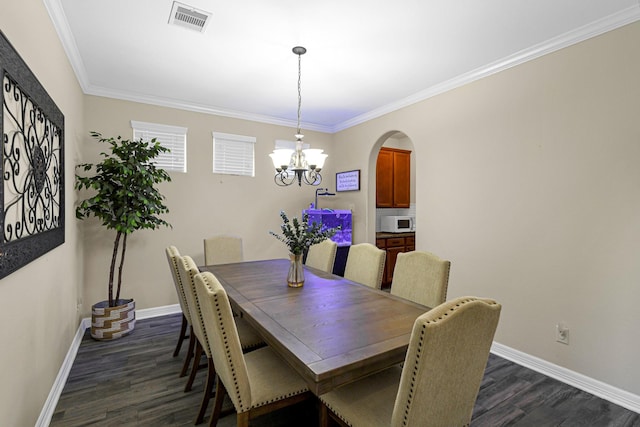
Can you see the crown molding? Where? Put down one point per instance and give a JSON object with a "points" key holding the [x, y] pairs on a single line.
{"points": [[611, 22], [199, 108], [61, 25]]}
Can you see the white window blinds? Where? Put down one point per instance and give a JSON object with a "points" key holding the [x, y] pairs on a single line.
{"points": [[233, 154], [172, 137]]}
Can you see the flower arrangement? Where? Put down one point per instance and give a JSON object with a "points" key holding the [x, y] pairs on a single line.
{"points": [[299, 235]]}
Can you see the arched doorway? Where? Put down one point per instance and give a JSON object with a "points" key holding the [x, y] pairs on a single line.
{"points": [[399, 143]]}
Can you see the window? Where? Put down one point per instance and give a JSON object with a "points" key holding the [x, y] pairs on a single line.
{"points": [[233, 154], [172, 137]]}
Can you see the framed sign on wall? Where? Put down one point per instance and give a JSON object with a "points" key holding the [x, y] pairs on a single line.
{"points": [[348, 181], [31, 163]]}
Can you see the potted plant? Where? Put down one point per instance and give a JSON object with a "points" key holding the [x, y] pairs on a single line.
{"points": [[299, 236], [125, 200]]}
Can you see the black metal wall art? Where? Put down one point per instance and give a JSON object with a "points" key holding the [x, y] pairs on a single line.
{"points": [[32, 160]]}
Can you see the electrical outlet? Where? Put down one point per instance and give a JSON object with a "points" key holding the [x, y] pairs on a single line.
{"points": [[562, 334]]}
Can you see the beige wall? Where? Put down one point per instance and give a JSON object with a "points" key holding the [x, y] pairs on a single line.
{"points": [[39, 317], [201, 203], [528, 182]]}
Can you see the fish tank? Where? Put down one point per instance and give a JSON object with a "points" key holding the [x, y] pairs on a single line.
{"points": [[331, 218]]}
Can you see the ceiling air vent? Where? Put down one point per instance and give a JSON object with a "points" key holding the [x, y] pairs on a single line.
{"points": [[189, 17]]}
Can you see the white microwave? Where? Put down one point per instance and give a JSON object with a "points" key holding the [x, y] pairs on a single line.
{"points": [[397, 224]]}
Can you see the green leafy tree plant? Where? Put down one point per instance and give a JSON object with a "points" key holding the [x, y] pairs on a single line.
{"points": [[125, 198], [299, 235]]}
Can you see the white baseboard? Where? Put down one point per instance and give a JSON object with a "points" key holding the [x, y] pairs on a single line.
{"points": [[58, 385], [597, 388], [148, 313]]}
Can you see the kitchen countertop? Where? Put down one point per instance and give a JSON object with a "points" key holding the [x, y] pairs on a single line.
{"points": [[385, 235]]}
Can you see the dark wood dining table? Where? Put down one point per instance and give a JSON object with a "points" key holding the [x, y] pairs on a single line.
{"points": [[331, 330]]}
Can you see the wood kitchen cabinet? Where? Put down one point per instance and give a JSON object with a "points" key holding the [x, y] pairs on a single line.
{"points": [[394, 244], [393, 178]]}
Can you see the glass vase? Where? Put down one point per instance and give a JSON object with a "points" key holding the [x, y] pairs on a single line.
{"points": [[295, 278]]}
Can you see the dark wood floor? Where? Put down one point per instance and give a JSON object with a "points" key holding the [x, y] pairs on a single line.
{"points": [[134, 381]]}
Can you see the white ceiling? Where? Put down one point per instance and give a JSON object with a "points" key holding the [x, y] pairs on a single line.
{"points": [[364, 57]]}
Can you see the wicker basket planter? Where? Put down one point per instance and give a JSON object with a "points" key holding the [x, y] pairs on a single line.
{"points": [[108, 323]]}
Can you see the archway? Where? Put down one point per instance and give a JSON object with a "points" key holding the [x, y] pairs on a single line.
{"points": [[396, 140]]}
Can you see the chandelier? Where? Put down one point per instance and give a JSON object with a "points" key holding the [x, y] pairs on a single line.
{"points": [[299, 164]]}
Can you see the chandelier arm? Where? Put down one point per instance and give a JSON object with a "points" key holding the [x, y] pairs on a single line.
{"points": [[313, 177], [283, 179]]}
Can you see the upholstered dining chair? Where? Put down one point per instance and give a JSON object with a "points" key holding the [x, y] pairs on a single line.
{"points": [[322, 255], [247, 336], [439, 381], [257, 382], [222, 249], [421, 277], [173, 255], [365, 264]]}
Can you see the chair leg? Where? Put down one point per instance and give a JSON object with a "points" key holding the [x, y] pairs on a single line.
{"points": [[217, 405], [324, 415], [242, 419], [187, 360], [183, 333], [194, 368], [208, 389]]}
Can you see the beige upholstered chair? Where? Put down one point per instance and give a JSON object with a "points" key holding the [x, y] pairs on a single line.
{"points": [[365, 264], [322, 255], [187, 270], [222, 250], [257, 382], [439, 382], [421, 277], [173, 255]]}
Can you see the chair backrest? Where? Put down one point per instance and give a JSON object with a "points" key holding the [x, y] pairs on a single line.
{"points": [[188, 270], [421, 277], [445, 363], [173, 256], [222, 250], [365, 264], [227, 351], [322, 255]]}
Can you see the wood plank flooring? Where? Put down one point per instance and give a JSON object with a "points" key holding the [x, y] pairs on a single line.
{"points": [[134, 382]]}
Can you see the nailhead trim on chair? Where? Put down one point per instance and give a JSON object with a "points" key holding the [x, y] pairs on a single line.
{"points": [[419, 353], [446, 284], [174, 259], [225, 338], [242, 408], [278, 398], [192, 283]]}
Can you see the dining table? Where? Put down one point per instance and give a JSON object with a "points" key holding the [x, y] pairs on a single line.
{"points": [[331, 330]]}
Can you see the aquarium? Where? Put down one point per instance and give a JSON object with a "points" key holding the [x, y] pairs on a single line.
{"points": [[330, 218]]}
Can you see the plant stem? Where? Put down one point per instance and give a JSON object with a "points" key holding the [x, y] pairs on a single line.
{"points": [[124, 249], [116, 244]]}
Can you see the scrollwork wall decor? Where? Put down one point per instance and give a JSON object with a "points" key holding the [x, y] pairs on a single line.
{"points": [[32, 160]]}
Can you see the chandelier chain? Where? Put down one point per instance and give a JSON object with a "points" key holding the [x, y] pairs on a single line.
{"points": [[299, 89]]}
